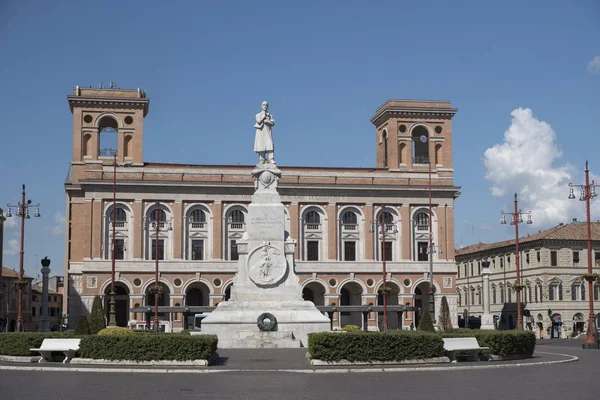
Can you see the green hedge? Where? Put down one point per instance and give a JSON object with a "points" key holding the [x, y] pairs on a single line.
{"points": [[500, 343], [19, 343], [149, 347], [374, 346]]}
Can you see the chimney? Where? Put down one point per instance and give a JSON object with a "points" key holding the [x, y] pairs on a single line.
{"points": [[574, 220]]}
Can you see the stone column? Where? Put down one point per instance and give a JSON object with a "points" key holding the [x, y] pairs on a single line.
{"points": [[44, 325], [487, 321]]}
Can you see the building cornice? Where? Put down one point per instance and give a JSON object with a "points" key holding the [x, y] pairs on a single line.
{"points": [[104, 103]]}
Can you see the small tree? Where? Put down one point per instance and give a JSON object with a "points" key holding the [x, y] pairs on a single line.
{"points": [[445, 322], [97, 319], [82, 327], [425, 323]]}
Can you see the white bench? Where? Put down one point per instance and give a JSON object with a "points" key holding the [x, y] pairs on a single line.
{"points": [[68, 346], [469, 344]]}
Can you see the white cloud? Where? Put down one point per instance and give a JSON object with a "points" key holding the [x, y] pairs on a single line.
{"points": [[594, 65], [12, 247], [525, 163], [58, 228], [11, 222]]}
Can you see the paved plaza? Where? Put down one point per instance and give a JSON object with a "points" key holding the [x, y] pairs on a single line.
{"points": [[261, 380]]}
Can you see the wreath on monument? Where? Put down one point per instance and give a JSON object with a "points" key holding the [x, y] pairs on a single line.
{"points": [[266, 322]]}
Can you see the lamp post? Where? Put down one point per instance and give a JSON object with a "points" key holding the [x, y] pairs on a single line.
{"points": [[158, 226], [384, 223], [588, 192], [23, 212], [516, 219], [431, 251], [112, 319]]}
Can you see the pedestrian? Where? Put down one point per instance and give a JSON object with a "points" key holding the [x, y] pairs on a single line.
{"points": [[412, 326]]}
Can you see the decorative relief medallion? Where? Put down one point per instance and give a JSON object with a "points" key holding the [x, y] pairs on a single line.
{"points": [[266, 265], [447, 282], [92, 282]]}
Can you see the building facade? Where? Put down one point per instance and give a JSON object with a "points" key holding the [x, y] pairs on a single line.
{"points": [[55, 302], [552, 263], [9, 296], [334, 214]]}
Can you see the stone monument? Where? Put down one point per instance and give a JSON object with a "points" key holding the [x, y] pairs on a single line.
{"points": [[266, 308]]}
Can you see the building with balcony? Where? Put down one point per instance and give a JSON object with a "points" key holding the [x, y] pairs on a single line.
{"points": [[334, 214], [555, 296]]}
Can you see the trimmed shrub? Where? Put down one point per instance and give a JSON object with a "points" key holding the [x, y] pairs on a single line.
{"points": [[19, 343], [97, 319], [82, 327], [351, 328], [116, 331], [500, 343], [374, 346], [148, 347], [445, 322], [425, 324]]}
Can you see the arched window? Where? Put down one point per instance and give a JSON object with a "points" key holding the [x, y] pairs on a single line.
{"points": [[123, 232], [198, 246], [107, 131], [501, 288], [162, 216], [350, 236], [158, 247], [198, 218], [385, 149], [235, 229], [349, 219], [236, 218], [313, 234], [422, 221], [494, 299], [391, 247], [459, 298], [311, 219], [420, 138]]}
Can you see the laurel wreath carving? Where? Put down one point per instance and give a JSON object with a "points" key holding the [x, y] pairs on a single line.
{"points": [[266, 322]]}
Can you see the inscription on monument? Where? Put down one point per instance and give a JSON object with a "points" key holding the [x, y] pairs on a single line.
{"points": [[266, 223]]}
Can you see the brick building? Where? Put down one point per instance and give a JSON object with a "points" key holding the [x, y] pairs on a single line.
{"points": [[202, 213], [9, 297], [555, 297]]}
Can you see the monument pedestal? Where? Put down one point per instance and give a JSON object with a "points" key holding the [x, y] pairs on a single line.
{"points": [[265, 281]]}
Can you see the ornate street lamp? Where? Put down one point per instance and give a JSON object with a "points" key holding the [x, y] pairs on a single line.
{"points": [[516, 219], [588, 192], [23, 212], [384, 228], [112, 319]]}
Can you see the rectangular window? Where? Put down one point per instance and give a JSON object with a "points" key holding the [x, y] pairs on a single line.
{"points": [[458, 271], [234, 250], [553, 258], [527, 258], [388, 251], [478, 267], [472, 271], [494, 295], [502, 262], [597, 258], [119, 249], [197, 249], [33, 311], [538, 256], [349, 251], [161, 249], [312, 250], [52, 309], [422, 252], [576, 258]]}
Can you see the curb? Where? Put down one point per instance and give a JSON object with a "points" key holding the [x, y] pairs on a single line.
{"points": [[341, 363], [570, 359]]}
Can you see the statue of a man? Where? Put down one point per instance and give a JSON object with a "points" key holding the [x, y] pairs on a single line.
{"points": [[263, 141]]}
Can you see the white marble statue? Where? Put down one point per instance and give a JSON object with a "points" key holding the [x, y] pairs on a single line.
{"points": [[263, 141]]}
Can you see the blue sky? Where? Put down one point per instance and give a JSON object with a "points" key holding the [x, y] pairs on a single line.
{"points": [[324, 67]]}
